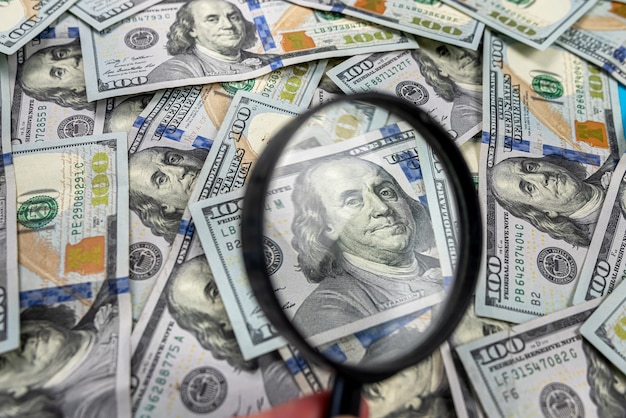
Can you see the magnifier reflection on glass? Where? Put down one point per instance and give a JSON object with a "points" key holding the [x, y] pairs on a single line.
{"points": [[361, 237]]}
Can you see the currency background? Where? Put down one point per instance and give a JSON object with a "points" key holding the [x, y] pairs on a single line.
{"points": [[128, 133]]}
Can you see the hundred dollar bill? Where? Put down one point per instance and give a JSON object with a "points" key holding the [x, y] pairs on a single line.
{"points": [[187, 359], [218, 224], [9, 281], [456, 105], [544, 368], [72, 199], [23, 20], [392, 149], [102, 14], [432, 19], [49, 100], [537, 23], [605, 328], [185, 121], [604, 267], [132, 57], [600, 37], [552, 138]]}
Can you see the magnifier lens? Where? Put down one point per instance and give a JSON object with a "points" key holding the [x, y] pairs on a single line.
{"points": [[360, 231]]}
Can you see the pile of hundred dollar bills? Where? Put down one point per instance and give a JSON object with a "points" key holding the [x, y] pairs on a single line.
{"points": [[129, 129]]}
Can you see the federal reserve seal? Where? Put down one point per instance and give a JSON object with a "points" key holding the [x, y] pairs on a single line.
{"points": [[413, 92], [203, 390], [559, 400], [557, 265], [141, 38], [233, 87], [37, 211], [273, 255], [145, 260], [75, 126]]}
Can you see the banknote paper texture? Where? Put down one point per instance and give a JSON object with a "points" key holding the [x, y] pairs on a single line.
{"points": [[73, 267], [537, 23], [544, 368], [49, 100], [599, 37], [130, 58], [187, 120], [24, 20], [432, 19], [605, 328], [551, 140], [604, 266], [458, 110], [9, 281]]}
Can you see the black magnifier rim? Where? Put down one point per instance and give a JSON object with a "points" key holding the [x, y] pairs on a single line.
{"points": [[469, 238]]}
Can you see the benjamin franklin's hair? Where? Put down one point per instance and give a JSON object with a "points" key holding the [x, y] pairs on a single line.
{"points": [[65, 97], [445, 87], [209, 333], [179, 40], [317, 257], [600, 376], [558, 227], [33, 404], [61, 315], [150, 210]]}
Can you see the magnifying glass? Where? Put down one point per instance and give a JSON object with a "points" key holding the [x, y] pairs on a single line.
{"points": [[362, 238]]}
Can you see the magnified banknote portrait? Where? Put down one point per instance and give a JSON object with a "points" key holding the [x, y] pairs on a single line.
{"points": [[362, 242], [209, 37]]}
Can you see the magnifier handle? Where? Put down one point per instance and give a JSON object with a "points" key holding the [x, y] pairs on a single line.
{"points": [[345, 398]]}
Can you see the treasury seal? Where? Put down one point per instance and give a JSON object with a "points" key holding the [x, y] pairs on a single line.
{"points": [[557, 265], [141, 38], [547, 86], [203, 390], [412, 92], [559, 400], [233, 87], [273, 255], [37, 211], [145, 260], [75, 126]]}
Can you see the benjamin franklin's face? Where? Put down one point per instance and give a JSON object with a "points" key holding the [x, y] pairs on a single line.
{"points": [[56, 67], [166, 174], [460, 64], [545, 186], [195, 288], [45, 348], [218, 25], [366, 213]]}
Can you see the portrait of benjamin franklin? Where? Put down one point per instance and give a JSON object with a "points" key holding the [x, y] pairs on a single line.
{"points": [[361, 241], [208, 38]]}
